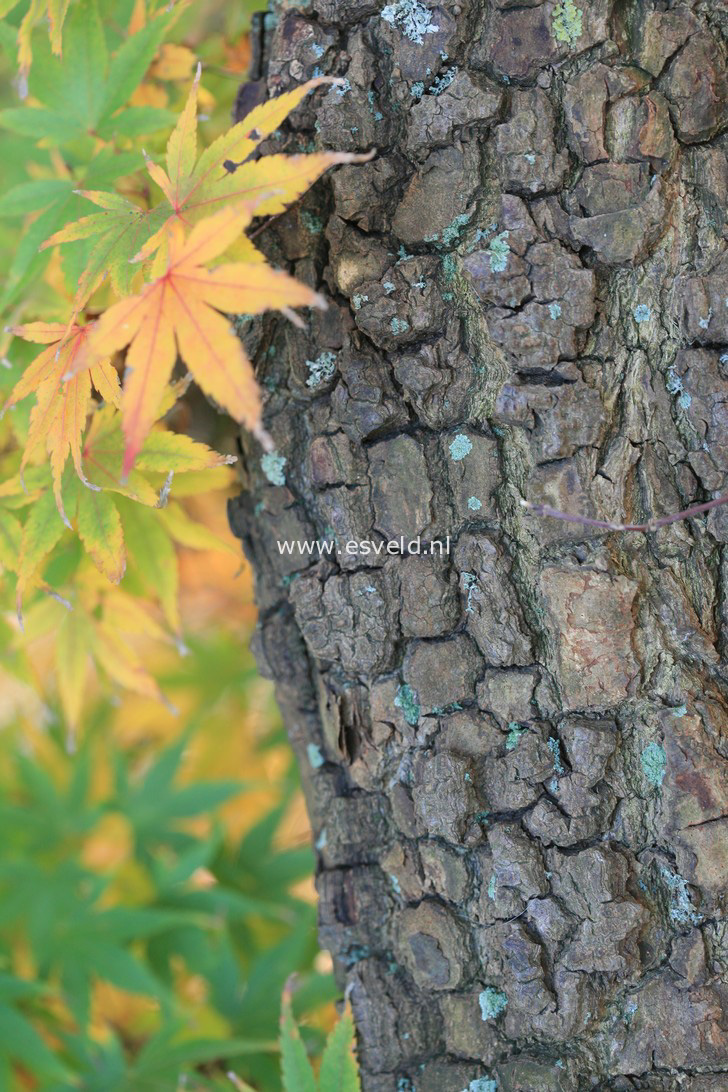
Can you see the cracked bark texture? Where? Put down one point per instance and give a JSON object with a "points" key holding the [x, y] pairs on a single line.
{"points": [[515, 757]]}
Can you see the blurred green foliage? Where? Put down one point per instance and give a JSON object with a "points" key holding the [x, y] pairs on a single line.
{"points": [[150, 911], [180, 913]]}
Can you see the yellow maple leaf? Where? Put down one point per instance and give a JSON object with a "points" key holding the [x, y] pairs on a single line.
{"points": [[179, 311], [62, 377], [224, 172]]}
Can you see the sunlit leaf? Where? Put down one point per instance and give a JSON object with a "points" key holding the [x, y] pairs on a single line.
{"points": [[59, 416], [338, 1071], [179, 312], [196, 188]]}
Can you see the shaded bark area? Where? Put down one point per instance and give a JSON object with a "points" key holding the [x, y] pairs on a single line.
{"points": [[515, 756]]}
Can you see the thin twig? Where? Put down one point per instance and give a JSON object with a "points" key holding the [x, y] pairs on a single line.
{"points": [[606, 525]]}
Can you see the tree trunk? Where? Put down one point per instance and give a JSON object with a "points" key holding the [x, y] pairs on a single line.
{"points": [[514, 754]]}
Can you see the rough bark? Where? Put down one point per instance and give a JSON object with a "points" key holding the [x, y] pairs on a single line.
{"points": [[515, 756]]}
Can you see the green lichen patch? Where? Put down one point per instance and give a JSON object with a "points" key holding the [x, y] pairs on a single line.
{"points": [[654, 763], [514, 735], [492, 1003], [406, 700], [449, 266], [312, 223], [566, 22], [554, 746], [273, 466]]}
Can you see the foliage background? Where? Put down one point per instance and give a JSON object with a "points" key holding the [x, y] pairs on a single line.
{"points": [[151, 908]]}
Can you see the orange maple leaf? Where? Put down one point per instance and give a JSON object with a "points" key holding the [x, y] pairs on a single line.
{"points": [[180, 312], [61, 377]]}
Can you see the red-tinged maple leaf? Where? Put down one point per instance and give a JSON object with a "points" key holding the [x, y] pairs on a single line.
{"points": [[59, 416], [179, 311]]}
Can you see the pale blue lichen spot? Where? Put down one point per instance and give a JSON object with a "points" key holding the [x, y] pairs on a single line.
{"points": [[321, 840], [399, 326], [460, 447], [673, 382], [273, 466], [654, 763], [679, 710], [492, 1003], [388, 288], [482, 1084], [555, 310], [566, 22], [441, 83], [357, 300], [642, 313], [682, 911], [492, 886], [417, 90], [317, 50], [412, 18], [474, 504], [685, 401], [316, 759], [321, 369], [499, 251]]}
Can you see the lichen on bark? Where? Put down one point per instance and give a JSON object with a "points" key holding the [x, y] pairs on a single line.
{"points": [[515, 755]]}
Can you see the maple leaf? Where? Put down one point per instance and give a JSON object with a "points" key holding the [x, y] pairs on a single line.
{"points": [[180, 311], [59, 416], [194, 188], [122, 229], [164, 453]]}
